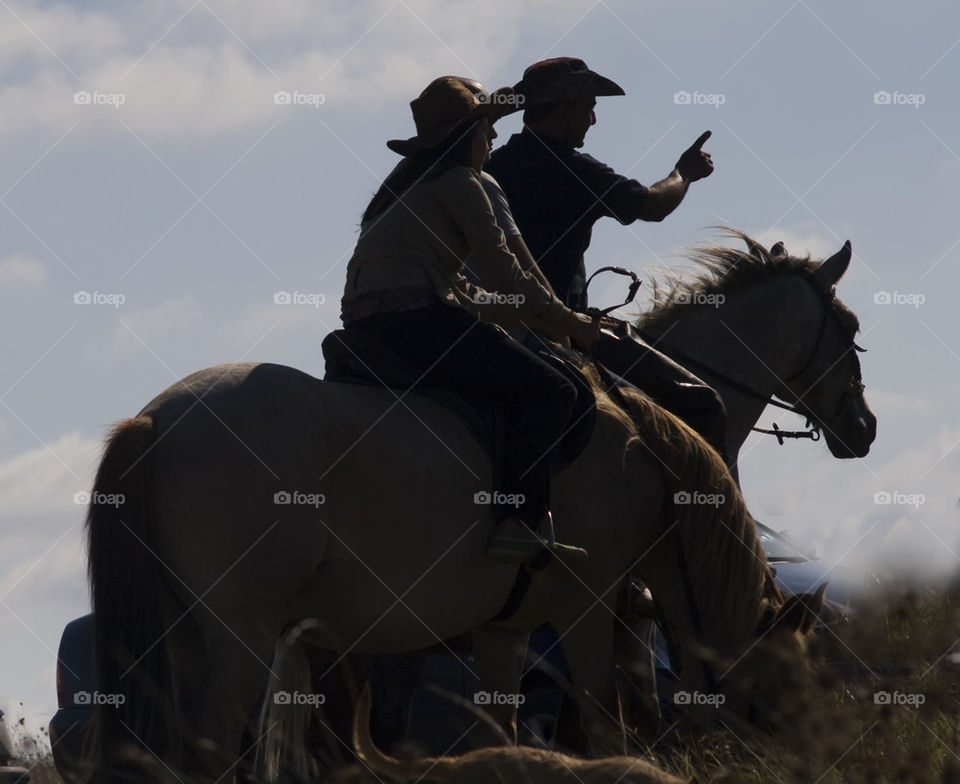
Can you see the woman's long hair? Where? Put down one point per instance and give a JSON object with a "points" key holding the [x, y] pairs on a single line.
{"points": [[420, 167]]}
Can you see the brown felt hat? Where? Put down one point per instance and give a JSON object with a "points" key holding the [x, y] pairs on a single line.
{"points": [[448, 104], [562, 79]]}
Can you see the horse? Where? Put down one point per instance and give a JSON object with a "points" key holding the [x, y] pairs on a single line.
{"points": [[756, 324], [253, 497]]}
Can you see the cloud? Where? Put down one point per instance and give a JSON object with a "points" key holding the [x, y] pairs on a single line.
{"points": [[22, 269], [898, 514], [42, 582], [41, 482], [215, 69]]}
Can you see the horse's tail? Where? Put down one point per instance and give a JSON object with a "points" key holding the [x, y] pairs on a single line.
{"points": [[133, 705], [437, 768], [283, 720], [716, 532]]}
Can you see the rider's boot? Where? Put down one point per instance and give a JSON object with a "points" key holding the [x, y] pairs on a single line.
{"points": [[516, 541]]}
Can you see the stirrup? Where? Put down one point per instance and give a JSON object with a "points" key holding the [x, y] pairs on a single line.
{"points": [[506, 549]]}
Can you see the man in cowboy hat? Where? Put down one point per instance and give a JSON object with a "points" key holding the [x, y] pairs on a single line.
{"points": [[557, 193]]}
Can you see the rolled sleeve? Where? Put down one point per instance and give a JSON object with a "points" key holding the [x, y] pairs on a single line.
{"points": [[614, 195]]}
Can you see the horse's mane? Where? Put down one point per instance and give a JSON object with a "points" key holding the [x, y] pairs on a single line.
{"points": [[721, 271], [722, 538]]}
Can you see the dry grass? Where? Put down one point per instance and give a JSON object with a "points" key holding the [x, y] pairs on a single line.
{"points": [[843, 731], [839, 733]]}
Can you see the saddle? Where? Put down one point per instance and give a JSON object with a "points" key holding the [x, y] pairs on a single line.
{"points": [[356, 358]]}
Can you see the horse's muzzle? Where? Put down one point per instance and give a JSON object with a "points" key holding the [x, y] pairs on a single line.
{"points": [[852, 434]]}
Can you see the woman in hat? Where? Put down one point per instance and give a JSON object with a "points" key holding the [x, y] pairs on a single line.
{"points": [[406, 287]]}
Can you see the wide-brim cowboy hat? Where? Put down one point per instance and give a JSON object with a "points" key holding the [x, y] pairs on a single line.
{"points": [[562, 79], [447, 105]]}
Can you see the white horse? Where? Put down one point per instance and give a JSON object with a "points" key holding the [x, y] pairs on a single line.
{"points": [[756, 324], [256, 497]]}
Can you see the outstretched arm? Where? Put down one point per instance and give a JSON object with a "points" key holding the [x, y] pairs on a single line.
{"points": [[664, 197]]}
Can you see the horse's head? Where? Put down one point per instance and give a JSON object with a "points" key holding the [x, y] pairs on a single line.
{"points": [[828, 388]]}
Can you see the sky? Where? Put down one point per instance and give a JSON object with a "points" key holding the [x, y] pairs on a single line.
{"points": [[156, 194]]}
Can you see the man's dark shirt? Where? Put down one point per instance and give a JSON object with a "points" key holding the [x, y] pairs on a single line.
{"points": [[556, 194]]}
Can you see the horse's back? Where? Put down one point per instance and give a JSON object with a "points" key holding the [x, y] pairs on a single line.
{"points": [[263, 469]]}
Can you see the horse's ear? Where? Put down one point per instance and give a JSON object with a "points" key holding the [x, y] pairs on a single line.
{"points": [[801, 611], [831, 270], [756, 249], [778, 251]]}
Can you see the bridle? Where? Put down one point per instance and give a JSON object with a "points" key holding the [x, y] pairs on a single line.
{"points": [[855, 388]]}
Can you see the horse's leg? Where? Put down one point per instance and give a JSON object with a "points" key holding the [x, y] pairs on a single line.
{"points": [[634, 641], [393, 683], [588, 648], [235, 677], [499, 654]]}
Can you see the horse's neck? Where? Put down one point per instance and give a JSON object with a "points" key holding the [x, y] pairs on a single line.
{"points": [[755, 337]]}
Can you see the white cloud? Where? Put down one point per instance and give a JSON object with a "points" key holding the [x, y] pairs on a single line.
{"points": [[831, 505], [40, 483], [22, 269], [207, 75], [799, 242], [42, 582]]}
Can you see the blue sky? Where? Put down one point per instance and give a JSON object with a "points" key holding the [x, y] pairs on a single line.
{"points": [[183, 189]]}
